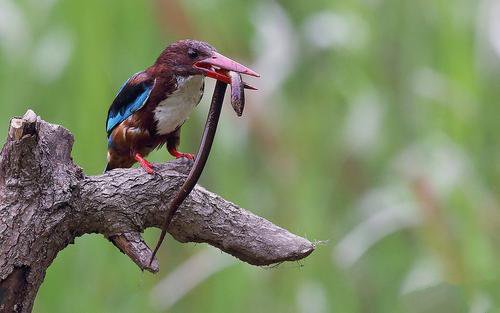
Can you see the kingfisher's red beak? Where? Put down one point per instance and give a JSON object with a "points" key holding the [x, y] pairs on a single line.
{"points": [[216, 66]]}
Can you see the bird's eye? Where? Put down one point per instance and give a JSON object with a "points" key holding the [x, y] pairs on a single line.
{"points": [[192, 54]]}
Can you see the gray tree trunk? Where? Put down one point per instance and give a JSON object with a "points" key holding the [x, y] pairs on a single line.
{"points": [[46, 201]]}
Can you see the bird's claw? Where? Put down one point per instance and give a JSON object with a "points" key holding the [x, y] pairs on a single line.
{"points": [[148, 167], [176, 154], [185, 155]]}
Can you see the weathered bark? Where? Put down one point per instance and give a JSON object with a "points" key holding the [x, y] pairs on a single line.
{"points": [[46, 201]]}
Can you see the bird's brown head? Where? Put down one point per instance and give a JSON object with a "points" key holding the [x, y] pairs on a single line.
{"points": [[191, 57]]}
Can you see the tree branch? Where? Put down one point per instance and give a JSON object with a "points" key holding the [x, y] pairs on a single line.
{"points": [[46, 202]]}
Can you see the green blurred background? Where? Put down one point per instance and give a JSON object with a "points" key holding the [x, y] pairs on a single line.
{"points": [[375, 131]]}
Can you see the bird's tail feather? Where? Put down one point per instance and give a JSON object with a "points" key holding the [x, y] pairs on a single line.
{"points": [[108, 168]]}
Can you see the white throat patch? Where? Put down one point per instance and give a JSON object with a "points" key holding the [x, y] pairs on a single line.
{"points": [[175, 109]]}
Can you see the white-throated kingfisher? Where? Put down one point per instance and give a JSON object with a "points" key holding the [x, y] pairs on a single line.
{"points": [[152, 105]]}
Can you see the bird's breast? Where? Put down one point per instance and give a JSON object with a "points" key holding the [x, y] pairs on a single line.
{"points": [[175, 109]]}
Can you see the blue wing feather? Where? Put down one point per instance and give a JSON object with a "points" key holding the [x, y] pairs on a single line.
{"points": [[130, 98]]}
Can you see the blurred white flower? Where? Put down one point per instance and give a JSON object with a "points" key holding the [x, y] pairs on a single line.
{"points": [[335, 30], [188, 275], [15, 36], [312, 298], [432, 85], [363, 123], [443, 164], [425, 273], [52, 54], [275, 44], [487, 37], [428, 83], [493, 21], [387, 210], [481, 303]]}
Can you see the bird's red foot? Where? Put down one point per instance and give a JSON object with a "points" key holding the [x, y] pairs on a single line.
{"points": [[178, 154], [148, 167]]}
